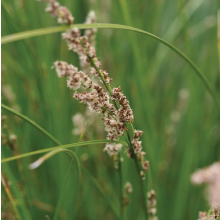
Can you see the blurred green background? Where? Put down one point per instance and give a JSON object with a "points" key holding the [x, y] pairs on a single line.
{"points": [[171, 105]]}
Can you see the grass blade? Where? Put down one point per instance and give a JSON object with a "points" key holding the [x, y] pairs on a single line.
{"points": [[30, 122], [42, 159], [61, 146], [50, 30]]}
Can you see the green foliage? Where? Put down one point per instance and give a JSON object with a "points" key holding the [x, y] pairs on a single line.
{"points": [[181, 130]]}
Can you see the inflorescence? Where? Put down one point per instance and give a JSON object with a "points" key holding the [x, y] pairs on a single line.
{"points": [[112, 105]]}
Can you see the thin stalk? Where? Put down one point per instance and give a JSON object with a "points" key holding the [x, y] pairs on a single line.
{"points": [[121, 194], [142, 182], [101, 75], [51, 30], [81, 136], [109, 89], [11, 199], [106, 109]]}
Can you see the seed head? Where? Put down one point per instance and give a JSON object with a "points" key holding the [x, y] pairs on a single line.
{"points": [[146, 166], [128, 188], [112, 148]]}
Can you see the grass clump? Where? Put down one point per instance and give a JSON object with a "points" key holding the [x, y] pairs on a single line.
{"points": [[177, 114]]}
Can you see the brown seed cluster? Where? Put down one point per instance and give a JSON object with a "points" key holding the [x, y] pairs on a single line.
{"points": [[125, 113], [61, 12], [151, 205], [128, 188], [7, 139], [79, 44], [75, 78], [90, 33], [146, 165], [114, 119], [136, 143], [208, 215], [137, 147], [113, 148], [96, 99], [91, 36], [86, 52]]}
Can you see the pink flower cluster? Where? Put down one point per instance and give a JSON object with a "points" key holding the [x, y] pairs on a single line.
{"points": [[211, 176]]}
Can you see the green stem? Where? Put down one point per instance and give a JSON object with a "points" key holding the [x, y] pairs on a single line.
{"points": [[51, 30], [106, 109], [109, 89], [138, 170], [121, 194], [100, 74]]}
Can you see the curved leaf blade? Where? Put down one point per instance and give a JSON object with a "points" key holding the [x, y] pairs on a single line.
{"points": [[61, 146], [51, 30]]}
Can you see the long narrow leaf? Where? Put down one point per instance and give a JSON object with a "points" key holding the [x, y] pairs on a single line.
{"points": [[50, 30], [61, 146], [74, 158], [42, 130]]}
